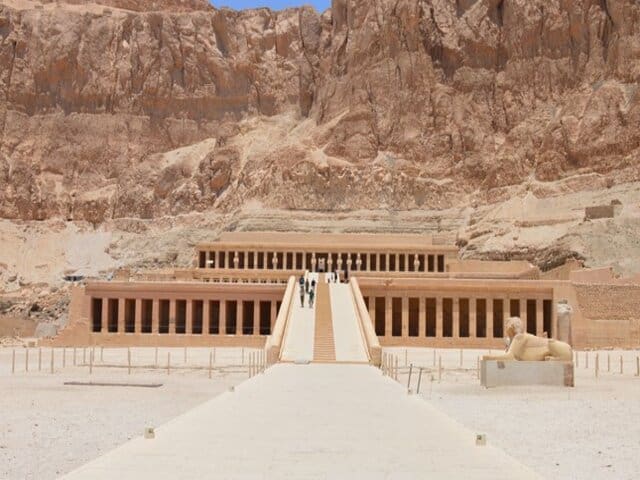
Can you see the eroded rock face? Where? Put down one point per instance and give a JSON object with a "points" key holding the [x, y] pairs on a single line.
{"points": [[154, 108]]}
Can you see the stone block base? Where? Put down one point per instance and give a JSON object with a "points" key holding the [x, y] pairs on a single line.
{"points": [[500, 373]]}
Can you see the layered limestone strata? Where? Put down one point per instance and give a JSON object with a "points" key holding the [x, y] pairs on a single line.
{"points": [[118, 109]]}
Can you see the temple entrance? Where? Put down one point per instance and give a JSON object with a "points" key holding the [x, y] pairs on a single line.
{"points": [[322, 264]]}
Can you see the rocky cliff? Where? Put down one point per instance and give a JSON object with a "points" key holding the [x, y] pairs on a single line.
{"points": [[142, 109]]}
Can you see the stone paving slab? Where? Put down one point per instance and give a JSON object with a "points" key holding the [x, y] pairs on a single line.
{"points": [[316, 421]]}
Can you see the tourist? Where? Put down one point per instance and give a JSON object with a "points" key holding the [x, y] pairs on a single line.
{"points": [[312, 294], [301, 281], [306, 285], [302, 294], [313, 284]]}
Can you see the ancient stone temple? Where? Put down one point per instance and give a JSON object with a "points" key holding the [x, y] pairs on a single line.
{"points": [[395, 289]]}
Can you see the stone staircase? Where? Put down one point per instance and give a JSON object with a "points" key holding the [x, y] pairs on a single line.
{"points": [[323, 346]]}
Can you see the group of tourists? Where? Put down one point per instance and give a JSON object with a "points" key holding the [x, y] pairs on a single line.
{"points": [[307, 288]]}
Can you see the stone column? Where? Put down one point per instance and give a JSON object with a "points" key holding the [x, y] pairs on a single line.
{"points": [[256, 317], [274, 260], [223, 316], [489, 317], [304, 260], [206, 317], [405, 262], [314, 262], [416, 262], [138, 318], [388, 317], [405, 316], [422, 317], [506, 313], [189, 320], [456, 316], [368, 256], [358, 263], [473, 317], [349, 265], [239, 317], [155, 316], [172, 316], [387, 262], [540, 318], [236, 260], [439, 317], [105, 315], [121, 315], [524, 314]]}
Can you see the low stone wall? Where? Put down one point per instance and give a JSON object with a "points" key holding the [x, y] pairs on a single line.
{"points": [[610, 315]]}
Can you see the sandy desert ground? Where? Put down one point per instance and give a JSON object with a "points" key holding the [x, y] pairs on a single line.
{"points": [[48, 428], [589, 431]]}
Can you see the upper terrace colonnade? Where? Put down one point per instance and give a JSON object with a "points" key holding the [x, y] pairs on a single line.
{"points": [[326, 252]]}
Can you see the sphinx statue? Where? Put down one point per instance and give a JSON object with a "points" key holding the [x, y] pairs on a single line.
{"points": [[525, 346]]}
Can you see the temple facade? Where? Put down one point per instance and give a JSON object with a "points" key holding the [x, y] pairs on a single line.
{"points": [[408, 289]]}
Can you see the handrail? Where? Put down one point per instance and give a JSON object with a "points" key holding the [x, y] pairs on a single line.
{"points": [[372, 342], [273, 345]]}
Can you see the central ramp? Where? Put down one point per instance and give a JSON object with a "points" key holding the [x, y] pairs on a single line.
{"points": [[319, 421], [348, 337], [323, 344]]}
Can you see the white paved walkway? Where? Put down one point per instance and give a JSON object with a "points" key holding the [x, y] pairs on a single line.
{"points": [[347, 336], [315, 421], [298, 341]]}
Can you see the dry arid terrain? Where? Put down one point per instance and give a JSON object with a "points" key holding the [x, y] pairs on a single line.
{"points": [[129, 130]]}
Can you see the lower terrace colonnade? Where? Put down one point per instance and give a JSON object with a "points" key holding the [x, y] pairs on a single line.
{"points": [[173, 310], [322, 261], [170, 316], [455, 319]]}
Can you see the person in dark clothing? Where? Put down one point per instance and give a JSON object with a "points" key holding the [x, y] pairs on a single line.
{"points": [[312, 295], [313, 284], [306, 285], [302, 294]]}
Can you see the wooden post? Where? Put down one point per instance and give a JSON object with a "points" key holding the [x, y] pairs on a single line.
{"points": [[128, 361], [439, 368], [13, 361], [406, 357], [396, 373], [39, 359], [586, 360], [210, 363], [621, 365], [52, 350], [409, 379], [419, 380], [26, 360], [608, 362], [637, 366], [168, 363]]}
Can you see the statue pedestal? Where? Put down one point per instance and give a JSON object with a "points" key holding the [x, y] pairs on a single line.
{"points": [[502, 373]]}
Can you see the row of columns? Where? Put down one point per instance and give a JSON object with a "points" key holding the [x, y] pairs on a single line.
{"points": [[299, 261], [473, 315], [106, 312]]}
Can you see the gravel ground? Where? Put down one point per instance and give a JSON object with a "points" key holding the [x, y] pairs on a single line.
{"points": [[48, 428], [590, 431]]}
